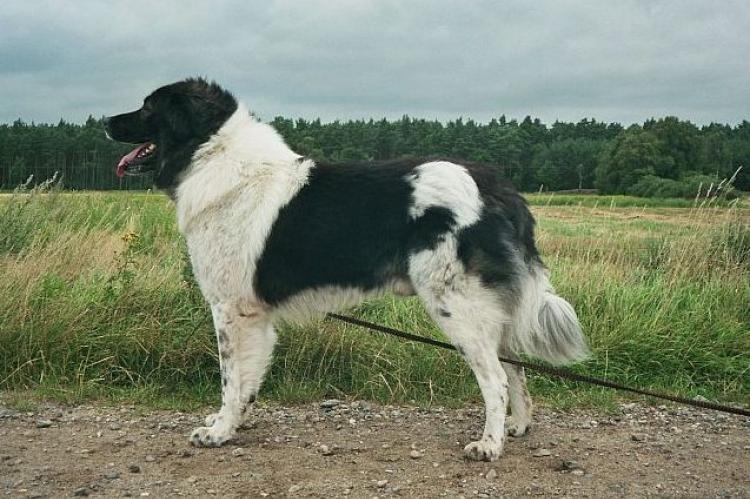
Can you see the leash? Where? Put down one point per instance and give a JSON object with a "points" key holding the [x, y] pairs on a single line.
{"points": [[549, 370]]}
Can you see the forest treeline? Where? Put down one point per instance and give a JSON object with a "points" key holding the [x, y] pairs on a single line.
{"points": [[667, 157]]}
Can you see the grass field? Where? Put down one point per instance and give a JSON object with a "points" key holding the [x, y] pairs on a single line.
{"points": [[97, 299]]}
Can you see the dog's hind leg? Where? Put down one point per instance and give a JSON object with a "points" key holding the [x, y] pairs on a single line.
{"points": [[472, 317], [245, 341], [520, 400]]}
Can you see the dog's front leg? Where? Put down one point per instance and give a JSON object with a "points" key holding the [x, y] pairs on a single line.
{"points": [[245, 339]]}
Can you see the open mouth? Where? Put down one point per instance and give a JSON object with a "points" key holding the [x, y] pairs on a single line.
{"points": [[137, 161]]}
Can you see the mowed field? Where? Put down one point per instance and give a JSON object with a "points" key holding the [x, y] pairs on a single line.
{"points": [[97, 300]]}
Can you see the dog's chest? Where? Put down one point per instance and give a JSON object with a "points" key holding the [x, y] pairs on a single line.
{"points": [[221, 256], [226, 233]]}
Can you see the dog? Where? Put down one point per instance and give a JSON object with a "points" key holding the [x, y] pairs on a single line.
{"points": [[273, 235]]}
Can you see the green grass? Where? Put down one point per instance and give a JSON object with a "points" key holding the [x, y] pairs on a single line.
{"points": [[613, 201], [97, 301]]}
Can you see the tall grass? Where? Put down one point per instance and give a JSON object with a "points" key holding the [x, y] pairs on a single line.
{"points": [[96, 296]]}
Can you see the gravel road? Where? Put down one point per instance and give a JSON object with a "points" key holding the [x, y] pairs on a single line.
{"points": [[358, 449]]}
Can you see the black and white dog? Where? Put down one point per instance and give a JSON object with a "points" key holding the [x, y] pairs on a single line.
{"points": [[274, 235]]}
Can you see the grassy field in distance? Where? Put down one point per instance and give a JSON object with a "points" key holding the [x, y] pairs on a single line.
{"points": [[97, 299]]}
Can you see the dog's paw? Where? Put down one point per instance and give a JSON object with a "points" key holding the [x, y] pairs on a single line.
{"points": [[516, 428], [209, 437], [486, 449], [211, 419]]}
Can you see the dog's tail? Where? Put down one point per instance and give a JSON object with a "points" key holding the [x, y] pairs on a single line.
{"points": [[546, 325]]}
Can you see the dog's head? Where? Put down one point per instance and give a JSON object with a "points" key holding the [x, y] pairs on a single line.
{"points": [[172, 123]]}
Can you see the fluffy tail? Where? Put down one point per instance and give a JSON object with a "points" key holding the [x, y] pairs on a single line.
{"points": [[547, 326]]}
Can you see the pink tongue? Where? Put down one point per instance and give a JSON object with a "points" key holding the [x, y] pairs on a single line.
{"points": [[128, 158]]}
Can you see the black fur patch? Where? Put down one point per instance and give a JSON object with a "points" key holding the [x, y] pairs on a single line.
{"points": [[504, 235], [444, 312], [222, 336], [349, 226]]}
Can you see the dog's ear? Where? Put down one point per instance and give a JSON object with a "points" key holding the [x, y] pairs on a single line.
{"points": [[177, 112]]}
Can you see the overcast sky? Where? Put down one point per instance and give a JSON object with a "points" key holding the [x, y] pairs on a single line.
{"points": [[618, 60]]}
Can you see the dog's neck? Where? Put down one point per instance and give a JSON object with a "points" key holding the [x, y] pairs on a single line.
{"points": [[243, 155], [247, 139]]}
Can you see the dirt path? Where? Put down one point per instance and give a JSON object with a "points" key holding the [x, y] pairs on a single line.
{"points": [[364, 450]]}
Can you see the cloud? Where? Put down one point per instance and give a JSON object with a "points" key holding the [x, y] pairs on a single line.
{"points": [[624, 61]]}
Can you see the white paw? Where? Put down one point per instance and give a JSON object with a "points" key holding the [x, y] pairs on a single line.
{"points": [[211, 419], [486, 449], [209, 437], [516, 428]]}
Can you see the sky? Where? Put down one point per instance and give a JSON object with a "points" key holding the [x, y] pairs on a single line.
{"points": [[623, 60]]}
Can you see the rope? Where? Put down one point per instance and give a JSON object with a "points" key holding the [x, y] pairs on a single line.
{"points": [[549, 370]]}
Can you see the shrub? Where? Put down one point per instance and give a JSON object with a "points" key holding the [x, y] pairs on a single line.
{"points": [[687, 187]]}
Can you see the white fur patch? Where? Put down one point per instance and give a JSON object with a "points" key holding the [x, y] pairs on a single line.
{"points": [[242, 155], [546, 326], [447, 185], [474, 319], [313, 303], [229, 199]]}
